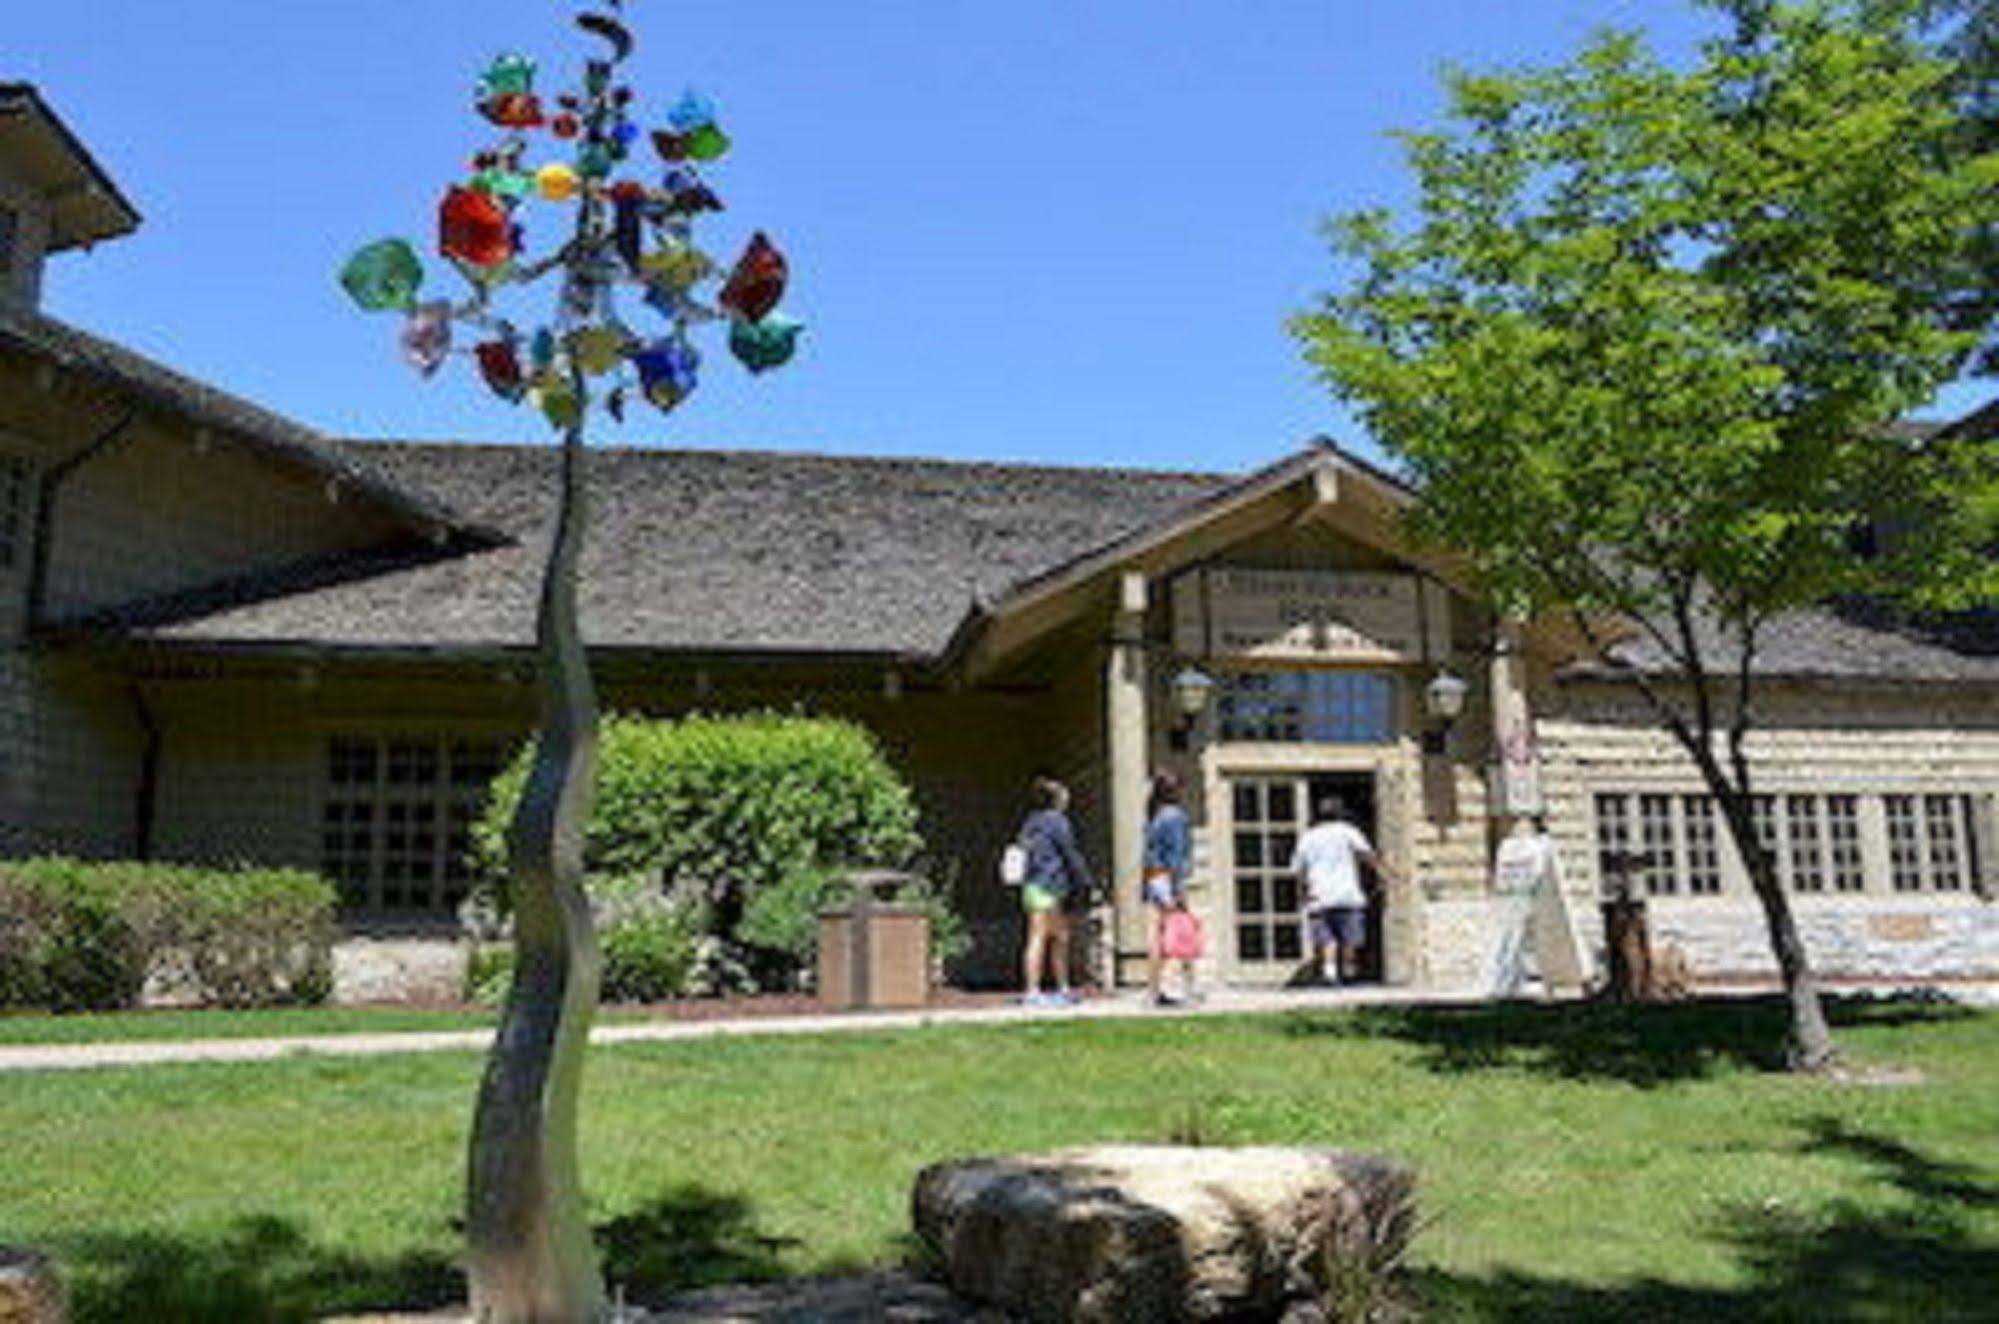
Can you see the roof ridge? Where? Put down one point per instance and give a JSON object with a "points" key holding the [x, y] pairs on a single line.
{"points": [[363, 444]]}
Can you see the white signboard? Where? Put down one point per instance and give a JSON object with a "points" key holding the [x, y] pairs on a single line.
{"points": [[1310, 616], [1531, 912]]}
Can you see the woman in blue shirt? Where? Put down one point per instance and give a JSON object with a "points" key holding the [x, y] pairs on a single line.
{"points": [[1056, 873], [1169, 858]]}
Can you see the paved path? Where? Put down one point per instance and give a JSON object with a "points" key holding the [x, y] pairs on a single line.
{"points": [[58, 1057], [61, 1057]]}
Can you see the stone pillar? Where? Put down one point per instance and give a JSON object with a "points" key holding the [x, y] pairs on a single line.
{"points": [[1516, 763], [1125, 741]]}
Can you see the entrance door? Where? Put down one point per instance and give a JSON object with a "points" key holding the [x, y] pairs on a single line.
{"points": [[1269, 813]]}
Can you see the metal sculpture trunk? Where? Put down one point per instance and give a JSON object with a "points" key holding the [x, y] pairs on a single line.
{"points": [[530, 1258]]}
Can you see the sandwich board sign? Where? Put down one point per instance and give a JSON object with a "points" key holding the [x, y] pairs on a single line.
{"points": [[1530, 911]]}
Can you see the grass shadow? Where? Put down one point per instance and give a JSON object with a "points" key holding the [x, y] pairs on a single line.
{"points": [[259, 1268], [1642, 1045], [1922, 1259], [689, 1237]]}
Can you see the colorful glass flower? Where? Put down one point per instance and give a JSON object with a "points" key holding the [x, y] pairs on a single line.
{"points": [[385, 274], [763, 345], [473, 228], [426, 337], [757, 283], [667, 371]]}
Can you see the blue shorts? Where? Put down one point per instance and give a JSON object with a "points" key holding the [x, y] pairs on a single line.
{"points": [[1345, 926], [1160, 891]]}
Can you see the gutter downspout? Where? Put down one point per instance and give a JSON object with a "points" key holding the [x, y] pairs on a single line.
{"points": [[145, 800], [52, 480]]}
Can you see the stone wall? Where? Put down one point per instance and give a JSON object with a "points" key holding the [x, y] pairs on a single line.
{"points": [[1819, 739]]}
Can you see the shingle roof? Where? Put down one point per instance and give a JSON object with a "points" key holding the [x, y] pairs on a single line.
{"points": [[1847, 643], [719, 551], [93, 208], [147, 382]]}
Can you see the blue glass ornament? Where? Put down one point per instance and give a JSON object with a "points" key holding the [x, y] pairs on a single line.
{"points": [[691, 112], [667, 371]]}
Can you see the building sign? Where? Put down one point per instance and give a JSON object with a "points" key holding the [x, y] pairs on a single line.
{"points": [[1310, 616]]}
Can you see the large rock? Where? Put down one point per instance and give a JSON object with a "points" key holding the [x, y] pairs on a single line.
{"points": [[30, 1291], [1163, 1233]]}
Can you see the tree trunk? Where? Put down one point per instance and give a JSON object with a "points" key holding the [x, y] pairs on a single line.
{"points": [[1808, 1044], [530, 1258]]}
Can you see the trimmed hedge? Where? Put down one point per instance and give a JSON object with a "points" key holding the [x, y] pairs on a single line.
{"points": [[753, 816], [652, 947], [86, 936]]}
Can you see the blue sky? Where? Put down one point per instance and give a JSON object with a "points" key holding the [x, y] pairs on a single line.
{"points": [[1020, 230]]}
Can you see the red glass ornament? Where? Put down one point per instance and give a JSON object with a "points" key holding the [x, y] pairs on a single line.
{"points": [[500, 365], [670, 146], [513, 110], [757, 283], [473, 228], [565, 125]]}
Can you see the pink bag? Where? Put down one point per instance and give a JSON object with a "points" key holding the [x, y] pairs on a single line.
{"points": [[1182, 937]]}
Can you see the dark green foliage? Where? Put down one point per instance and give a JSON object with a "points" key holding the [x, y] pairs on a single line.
{"points": [[78, 936], [651, 945], [750, 816]]}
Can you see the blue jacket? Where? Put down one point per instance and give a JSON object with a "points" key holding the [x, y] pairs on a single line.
{"points": [[1169, 843], [1053, 861]]}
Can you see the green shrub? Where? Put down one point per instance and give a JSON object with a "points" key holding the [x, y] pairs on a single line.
{"points": [[651, 944], [785, 918], [746, 813], [88, 936]]}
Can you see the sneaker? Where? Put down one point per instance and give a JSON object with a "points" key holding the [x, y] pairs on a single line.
{"points": [[1162, 1000], [1037, 999], [1067, 997]]}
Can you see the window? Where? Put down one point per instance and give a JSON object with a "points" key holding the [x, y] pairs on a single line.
{"points": [[396, 821], [1805, 841], [1321, 707], [1929, 842], [1656, 839], [1842, 817], [15, 482], [1703, 855]]}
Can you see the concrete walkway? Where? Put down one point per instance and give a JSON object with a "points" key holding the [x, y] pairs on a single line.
{"points": [[63, 1057], [1117, 1006]]}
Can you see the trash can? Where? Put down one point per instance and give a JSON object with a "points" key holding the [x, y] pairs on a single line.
{"points": [[874, 952]]}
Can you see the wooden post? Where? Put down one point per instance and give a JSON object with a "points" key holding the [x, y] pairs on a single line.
{"points": [[1126, 742]]}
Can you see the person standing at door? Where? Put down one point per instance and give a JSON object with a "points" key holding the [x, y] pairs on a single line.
{"points": [[1328, 861], [1169, 858], [1055, 873]]}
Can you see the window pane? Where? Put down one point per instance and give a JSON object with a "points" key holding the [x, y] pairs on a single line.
{"points": [[1286, 943], [1946, 862], [1330, 707], [1703, 859], [1801, 827], [1905, 857], [1655, 825], [1842, 816], [1249, 943]]}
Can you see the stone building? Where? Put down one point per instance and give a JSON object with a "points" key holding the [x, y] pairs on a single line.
{"points": [[224, 636]]}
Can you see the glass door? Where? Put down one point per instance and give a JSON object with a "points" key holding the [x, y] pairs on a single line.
{"points": [[1268, 813]]}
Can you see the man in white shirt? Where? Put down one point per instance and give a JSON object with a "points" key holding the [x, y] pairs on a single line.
{"points": [[1327, 861]]}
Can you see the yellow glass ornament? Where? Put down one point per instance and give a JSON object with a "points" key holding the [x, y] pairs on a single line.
{"points": [[597, 349], [557, 182]]}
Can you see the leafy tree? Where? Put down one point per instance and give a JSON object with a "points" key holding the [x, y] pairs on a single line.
{"points": [[1642, 343]]}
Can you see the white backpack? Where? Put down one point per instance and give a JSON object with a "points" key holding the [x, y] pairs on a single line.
{"points": [[1013, 865]]}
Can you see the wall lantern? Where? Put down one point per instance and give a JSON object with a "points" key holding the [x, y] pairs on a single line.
{"points": [[1192, 689], [1444, 701]]}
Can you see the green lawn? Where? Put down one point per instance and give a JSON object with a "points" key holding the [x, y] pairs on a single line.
{"points": [[273, 1023], [1576, 1163]]}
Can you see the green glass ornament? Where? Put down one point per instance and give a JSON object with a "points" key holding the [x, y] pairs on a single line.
{"points": [[594, 161], [386, 274], [707, 143], [507, 75], [766, 344]]}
